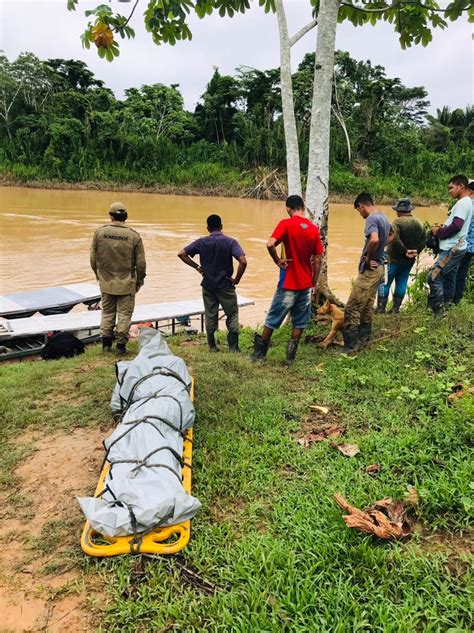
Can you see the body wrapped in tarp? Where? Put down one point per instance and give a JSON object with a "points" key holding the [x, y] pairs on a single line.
{"points": [[143, 488]]}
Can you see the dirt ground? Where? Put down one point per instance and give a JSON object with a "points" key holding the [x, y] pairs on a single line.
{"points": [[42, 587]]}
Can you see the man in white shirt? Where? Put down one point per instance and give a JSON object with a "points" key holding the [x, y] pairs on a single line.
{"points": [[452, 243]]}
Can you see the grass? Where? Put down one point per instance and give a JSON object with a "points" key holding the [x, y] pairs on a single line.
{"points": [[269, 533]]}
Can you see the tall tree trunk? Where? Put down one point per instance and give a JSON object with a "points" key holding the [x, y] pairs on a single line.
{"points": [[288, 107], [317, 189]]}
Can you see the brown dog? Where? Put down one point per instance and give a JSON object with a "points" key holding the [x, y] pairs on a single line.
{"points": [[330, 312]]}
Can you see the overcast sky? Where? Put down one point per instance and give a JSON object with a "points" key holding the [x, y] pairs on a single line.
{"points": [[47, 29]]}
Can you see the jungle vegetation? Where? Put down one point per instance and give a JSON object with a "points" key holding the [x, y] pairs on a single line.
{"points": [[58, 122]]}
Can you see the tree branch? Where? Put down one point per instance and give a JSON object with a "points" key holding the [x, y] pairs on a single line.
{"points": [[393, 6], [297, 36], [131, 14]]}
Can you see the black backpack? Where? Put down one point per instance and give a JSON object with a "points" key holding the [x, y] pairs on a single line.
{"points": [[62, 344]]}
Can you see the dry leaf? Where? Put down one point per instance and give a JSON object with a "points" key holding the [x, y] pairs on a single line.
{"points": [[317, 407], [349, 450], [330, 431], [320, 366], [372, 469], [460, 391], [385, 518]]}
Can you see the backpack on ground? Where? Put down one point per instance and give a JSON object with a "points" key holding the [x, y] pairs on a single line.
{"points": [[62, 344]]}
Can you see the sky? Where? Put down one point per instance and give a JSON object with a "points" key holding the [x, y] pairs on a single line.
{"points": [[46, 28]]}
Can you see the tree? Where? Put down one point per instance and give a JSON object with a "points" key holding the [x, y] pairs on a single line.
{"points": [[156, 108], [26, 83], [74, 74], [218, 107]]}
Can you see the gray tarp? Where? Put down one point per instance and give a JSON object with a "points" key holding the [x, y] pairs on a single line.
{"points": [[144, 486]]}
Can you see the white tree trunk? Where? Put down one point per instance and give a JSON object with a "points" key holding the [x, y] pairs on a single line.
{"points": [[289, 121], [317, 189]]}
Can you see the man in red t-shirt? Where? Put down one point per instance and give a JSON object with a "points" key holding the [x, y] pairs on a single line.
{"points": [[299, 265]]}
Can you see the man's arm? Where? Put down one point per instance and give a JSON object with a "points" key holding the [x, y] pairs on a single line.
{"points": [[316, 268], [271, 247], [140, 264], [240, 271], [184, 257], [371, 250], [446, 231], [93, 255]]}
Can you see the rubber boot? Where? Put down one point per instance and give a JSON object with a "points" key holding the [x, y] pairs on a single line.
{"points": [[397, 302], [365, 333], [211, 341], [233, 341], [436, 307], [381, 304], [260, 348], [351, 340], [106, 343], [291, 352], [121, 349]]}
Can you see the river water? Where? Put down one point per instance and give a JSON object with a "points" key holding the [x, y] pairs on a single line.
{"points": [[46, 235]]}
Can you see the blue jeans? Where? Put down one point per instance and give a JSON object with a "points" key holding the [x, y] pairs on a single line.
{"points": [[297, 302], [442, 287], [461, 276], [400, 272]]}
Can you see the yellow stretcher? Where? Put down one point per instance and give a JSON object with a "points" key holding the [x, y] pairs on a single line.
{"points": [[166, 540]]}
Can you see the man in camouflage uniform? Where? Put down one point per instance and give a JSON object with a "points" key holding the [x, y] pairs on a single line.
{"points": [[118, 261]]}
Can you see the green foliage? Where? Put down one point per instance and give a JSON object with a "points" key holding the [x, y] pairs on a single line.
{"points": [[58, 121]]}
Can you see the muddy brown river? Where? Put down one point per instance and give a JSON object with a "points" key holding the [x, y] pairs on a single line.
{"points": [[46, 234]]}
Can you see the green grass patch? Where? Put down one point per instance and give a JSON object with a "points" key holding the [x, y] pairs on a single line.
{"points": [[270, 535]]}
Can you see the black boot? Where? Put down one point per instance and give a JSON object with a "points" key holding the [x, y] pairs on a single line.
{"points": [[260, 348], [211, 341], [233, 341], [121, 349], [106, 343], [381, 304], [291, 352], [351, 340], [365, 332], [397, 302]]}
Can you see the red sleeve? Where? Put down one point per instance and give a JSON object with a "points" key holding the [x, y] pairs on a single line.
{"points": [[318, 245], [280, 231]]}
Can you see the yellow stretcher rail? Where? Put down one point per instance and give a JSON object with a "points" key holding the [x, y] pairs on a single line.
{"points": [[166, 540]]}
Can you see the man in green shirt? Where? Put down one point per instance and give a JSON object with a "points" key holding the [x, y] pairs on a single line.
{"points": [[408, 242]]}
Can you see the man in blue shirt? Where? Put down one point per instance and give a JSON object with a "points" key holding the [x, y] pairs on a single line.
{"points": [[216, 252], [452, 244], [465, 264]]}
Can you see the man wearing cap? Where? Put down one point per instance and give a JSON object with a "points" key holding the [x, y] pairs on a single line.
{"points": [[408, 241], [118, 261]]}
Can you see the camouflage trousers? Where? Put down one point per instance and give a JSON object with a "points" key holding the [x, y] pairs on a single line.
{"points": [[117, 308], [360, 305]]}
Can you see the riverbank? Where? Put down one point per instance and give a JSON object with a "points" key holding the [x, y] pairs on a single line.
{"points": [[270, 537], [216, 180]]}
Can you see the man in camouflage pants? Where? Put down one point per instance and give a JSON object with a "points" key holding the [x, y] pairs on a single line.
{"points": [[118, 261], [359, 308]]}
